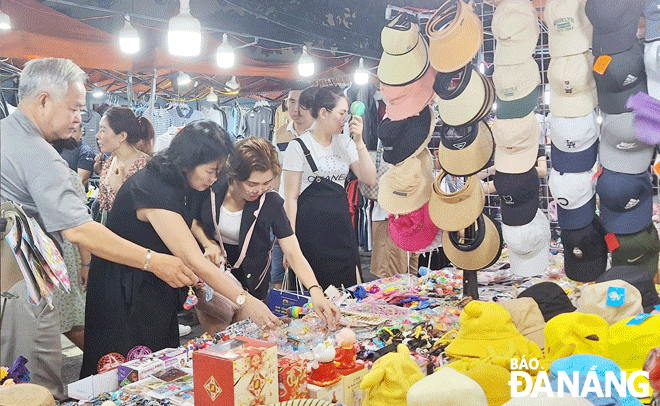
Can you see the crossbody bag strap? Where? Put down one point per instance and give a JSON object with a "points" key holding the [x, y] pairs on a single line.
{"points": [[248, 236], [308, 155], [215, 219]]}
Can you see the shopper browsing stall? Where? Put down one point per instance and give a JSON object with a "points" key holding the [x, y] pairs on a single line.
{"points": [[315, 168], [155, 207], [241, 213]]}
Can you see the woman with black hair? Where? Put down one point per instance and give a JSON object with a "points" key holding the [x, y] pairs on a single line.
{"points": [[127, 307], [315, 168]]}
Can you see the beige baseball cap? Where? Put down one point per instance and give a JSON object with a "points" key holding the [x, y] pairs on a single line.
{"points": [[406, 187], [572, 85], [455, 36], [405, 55], [516, 143], [569, 29], [516, 29], [612, 300], [455, 210], [513, 82]]}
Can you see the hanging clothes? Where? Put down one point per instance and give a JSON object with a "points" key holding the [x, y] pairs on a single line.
{"points": [[260, 122], [184, 114], [370, 118], [90, 123]]}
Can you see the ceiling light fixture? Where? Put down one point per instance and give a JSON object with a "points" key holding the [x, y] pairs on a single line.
{"points": [[233, 84], [224, 55], [305, 63], [183, 79], [98, 93], [5, 22], [212, 97], [129, 39], [184, 35], [361, 76]]}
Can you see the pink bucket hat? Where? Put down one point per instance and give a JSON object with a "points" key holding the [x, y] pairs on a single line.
{"points": [[413, 231], [408, 100]]}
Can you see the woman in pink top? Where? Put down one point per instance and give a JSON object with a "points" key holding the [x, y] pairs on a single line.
{"points": [[120, 130]]}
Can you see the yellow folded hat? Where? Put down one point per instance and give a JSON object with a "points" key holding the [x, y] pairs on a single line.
{"points": [[576, 333]]}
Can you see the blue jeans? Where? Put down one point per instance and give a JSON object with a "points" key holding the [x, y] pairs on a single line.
{"points": [[276, 267]]}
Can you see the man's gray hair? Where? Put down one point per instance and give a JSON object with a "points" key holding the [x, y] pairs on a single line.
{"points": [[50, 75]]}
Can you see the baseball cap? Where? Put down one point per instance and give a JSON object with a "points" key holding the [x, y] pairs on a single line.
{"points": [[638, 249], [467, 149], [626, 201], [569, 29], [456, 210], [478, 248], [516, 31], [585, 251], [528, 245], [620, 150], [513, 82], [493, 379], [519, 196], [574, 142], [612, 300], [652, 16], [433, 390], [615, 24], [455, 35], [406, 187], [412, 231], [484, 325], [572, 85], [652, 66], [639, 278], [516, 143], [624, 76], [575, 196], [527, 317], [405, 55], [576, 333], [550, 297], [470, 100], [408, 100], [517, 108], [405, 138]]}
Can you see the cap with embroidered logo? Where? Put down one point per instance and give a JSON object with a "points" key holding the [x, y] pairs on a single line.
{"points": [[619, 149], [528, 245], [516, 88], [575, 196], [574, 142], [585, 251], [626, 201], [569, 29], [623, 77], [516, 143], [638, 249], [572, 85], [519, 196], [516, 30]]}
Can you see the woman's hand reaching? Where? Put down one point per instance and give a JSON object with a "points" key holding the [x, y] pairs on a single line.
{"points": [[325, 309], [214, 253], [258, 312]]}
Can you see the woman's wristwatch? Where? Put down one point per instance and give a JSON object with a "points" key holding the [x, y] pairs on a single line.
{"points": [[240, 299]]}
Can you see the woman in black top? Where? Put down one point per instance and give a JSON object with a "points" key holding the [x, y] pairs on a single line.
{"points": [[229, 215], [127, 307]]}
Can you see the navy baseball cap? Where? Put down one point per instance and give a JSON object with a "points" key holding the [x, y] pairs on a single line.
{"points": [[585, 252], [519, 196], [626, 201]]}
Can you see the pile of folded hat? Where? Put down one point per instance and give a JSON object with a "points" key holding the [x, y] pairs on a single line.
{"points": [[410, 70], [472, 239], [574, 134], [624, 186], [516, 131]]}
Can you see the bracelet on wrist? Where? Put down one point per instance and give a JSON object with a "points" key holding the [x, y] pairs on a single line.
{"points": [[309, 289], [364, 146], [146, 260], [87, 264]]}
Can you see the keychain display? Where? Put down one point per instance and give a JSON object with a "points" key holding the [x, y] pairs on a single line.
{"points": [[191, 300]]}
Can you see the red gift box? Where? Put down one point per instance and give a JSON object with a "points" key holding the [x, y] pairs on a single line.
{"points": [[292, 376], [238, 372]]}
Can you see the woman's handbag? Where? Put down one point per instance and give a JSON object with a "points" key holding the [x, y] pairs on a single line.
{"points": [[371, 192]]}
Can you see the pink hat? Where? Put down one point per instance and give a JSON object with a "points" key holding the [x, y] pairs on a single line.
{"points": [[408, 100], [413, 231]]}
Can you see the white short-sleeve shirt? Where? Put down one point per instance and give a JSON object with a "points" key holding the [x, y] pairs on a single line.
{"points": [[333, 162]]}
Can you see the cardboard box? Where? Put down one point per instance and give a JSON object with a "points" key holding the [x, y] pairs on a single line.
{"points": [[292, 378], [352, 392], [174, 357], [133, 371], [333, 393], [94, 385], [238, 372]]}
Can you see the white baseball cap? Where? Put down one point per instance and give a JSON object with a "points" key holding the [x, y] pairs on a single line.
{"points": [[620, 150], [516, 143], [516, 29], [574, 142], [572, 85], [569, 29], [528, 246], [652, 66], [574, 193]]}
